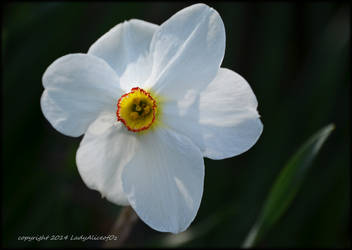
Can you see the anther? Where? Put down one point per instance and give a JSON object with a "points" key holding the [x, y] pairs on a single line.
{"points": [[146, 110], [136, 101], [138, 108], [134, 115]]}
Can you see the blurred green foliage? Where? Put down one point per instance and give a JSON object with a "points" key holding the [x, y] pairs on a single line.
{"points": [[286, 185], [296, 58]]}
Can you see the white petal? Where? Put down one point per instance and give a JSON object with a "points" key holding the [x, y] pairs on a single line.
{"points": [[126, 47], [164, 180], [223, 120], [103, 153], [77, 88], [187, 51]]}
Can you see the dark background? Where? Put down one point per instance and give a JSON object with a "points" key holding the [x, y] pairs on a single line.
{"points": [[296, 58]]}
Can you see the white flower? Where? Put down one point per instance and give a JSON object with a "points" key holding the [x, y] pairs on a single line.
{"points": [[152, 101]]}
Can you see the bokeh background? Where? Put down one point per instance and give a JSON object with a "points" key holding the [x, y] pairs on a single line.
{"points": [[296, 58]]}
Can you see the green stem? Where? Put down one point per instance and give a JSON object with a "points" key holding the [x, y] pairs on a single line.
{"points": [[122, 227]]}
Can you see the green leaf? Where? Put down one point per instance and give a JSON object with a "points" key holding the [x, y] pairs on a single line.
{"points": [[286, 186]]}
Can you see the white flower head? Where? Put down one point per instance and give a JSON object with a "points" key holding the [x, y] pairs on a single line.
{"points": [[152, 101]]}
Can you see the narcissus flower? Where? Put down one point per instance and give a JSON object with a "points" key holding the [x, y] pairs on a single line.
{"points": [[152, 101]]}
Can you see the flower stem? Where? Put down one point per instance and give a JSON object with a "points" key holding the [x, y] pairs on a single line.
{"points": [[122, 227]]}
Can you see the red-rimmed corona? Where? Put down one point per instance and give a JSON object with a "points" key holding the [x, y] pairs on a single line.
{"points": [[136, 110]]}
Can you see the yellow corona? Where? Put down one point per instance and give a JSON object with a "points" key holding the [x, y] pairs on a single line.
{"points": [[136, 110]]}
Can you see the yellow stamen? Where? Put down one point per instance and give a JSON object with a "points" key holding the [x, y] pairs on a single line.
{"points": [[134, 115], [138, 108], [136, 100]]}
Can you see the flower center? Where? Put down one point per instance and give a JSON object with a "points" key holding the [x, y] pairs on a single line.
{"points": [[136, 110]]}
